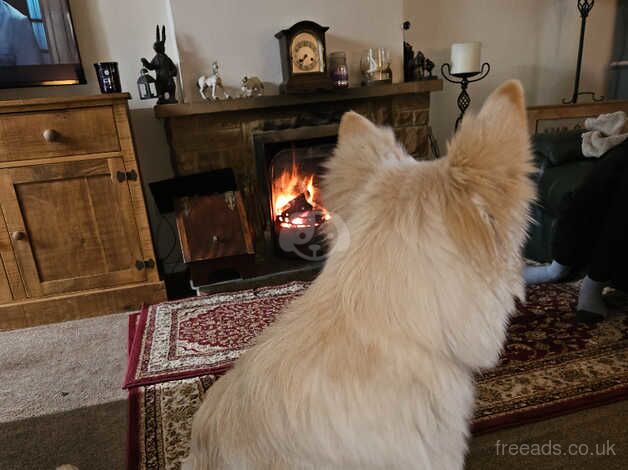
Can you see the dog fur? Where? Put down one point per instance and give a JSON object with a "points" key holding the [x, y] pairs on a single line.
{"points": [[372, 367]]}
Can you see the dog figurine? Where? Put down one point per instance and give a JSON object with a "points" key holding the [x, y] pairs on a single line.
{"points": [[251, 86], [372, 367]]}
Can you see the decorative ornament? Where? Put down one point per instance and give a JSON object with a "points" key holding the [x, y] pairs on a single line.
{"points": [[463, 79], [164, 68], [251, 86], [416, 67], [146, 85], [213, 81], [408, 56], [304, 58], [584, 7]]}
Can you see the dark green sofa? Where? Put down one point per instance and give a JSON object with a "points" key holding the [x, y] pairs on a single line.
{"points": [[561, 168]]}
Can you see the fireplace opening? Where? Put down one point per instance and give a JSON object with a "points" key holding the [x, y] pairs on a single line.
{"points": [[290, 166], [298, 211]]}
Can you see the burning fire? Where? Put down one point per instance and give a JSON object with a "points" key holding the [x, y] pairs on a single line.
{"points": [[296, 199]]}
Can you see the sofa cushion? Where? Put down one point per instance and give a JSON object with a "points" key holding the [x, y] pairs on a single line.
{"points": [[559, 148], [557, 182]]}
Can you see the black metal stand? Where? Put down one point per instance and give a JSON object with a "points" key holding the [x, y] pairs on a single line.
{"points": [[584, 7], [464, 100]]}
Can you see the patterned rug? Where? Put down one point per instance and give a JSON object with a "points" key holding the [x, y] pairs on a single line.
{"points": [[202, 335], [551, 364]]}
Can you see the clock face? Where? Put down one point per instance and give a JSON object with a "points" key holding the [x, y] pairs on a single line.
{"points": [[307, 54]]}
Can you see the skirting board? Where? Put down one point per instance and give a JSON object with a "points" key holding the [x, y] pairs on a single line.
{"points": [[79, 305]]}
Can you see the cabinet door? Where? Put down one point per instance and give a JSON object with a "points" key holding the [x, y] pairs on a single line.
{"points": [[71, 226], [5, 288]]}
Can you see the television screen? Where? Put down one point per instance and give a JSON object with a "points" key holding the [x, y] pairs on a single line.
{"points": [[37, 44]]}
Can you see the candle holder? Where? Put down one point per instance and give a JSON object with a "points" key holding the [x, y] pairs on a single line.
{"points": [[584, 7], [463, 79]]}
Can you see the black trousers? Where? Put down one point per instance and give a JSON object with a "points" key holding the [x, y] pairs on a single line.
{"points": [[592, 229]]}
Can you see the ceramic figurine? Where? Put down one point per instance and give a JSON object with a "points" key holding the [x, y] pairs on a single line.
{"points": [[213, 82], [408, 63], [252, 86], [419, 65], [408, 56], [164, 68], [429, 66]]}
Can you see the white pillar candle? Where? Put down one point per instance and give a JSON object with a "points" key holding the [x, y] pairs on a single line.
{"points": [[465, 57]]}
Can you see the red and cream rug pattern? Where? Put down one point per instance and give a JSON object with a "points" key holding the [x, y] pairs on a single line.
{"points": [[551, 364]]}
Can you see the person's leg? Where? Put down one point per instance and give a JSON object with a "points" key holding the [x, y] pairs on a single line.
{"points": [[574, 233], [591, 307], [553, 272], [581, 215], [609, 251]]}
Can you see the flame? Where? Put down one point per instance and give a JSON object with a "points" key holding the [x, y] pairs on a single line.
{"points": [[289, 185]]}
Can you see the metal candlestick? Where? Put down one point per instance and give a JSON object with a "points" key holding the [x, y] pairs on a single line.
{"points": [[463, 79], [584, 7]]}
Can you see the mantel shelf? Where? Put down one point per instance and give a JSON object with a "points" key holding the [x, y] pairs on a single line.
{"points": [[274, 101]]}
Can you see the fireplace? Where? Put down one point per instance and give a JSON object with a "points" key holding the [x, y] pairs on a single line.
{"points": [[265, 137], [289, 165]]}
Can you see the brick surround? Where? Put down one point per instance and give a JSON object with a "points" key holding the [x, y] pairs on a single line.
{"points": [[217, 135]]}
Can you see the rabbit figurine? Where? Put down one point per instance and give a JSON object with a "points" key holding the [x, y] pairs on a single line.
{"points": [[164, 68]]}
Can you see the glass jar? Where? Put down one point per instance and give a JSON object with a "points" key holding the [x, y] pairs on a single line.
{"points": [[375, 66], [339, 70]]}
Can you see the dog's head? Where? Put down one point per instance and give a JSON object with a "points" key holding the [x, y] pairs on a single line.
{"points": [[444, 235]]}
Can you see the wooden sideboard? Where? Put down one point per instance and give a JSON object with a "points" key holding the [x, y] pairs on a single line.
{"points": [[74, 234]]}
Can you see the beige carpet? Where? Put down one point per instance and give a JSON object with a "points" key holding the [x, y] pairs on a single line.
{"points": [[584, 430], [60, 395]]}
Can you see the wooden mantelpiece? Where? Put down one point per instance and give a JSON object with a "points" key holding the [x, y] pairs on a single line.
{"points": [[276, 101]]}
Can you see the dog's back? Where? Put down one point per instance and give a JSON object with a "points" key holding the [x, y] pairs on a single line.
{"points": [[372, 367]]}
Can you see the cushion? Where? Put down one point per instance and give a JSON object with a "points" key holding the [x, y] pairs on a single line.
{"points": [[559, 148]]}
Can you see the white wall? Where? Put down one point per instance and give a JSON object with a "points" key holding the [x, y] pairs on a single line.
{"points": [[535, 41], [122, 31], [240, 35]]}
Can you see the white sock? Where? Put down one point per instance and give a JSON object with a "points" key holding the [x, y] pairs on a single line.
{"points": [[553, 272], [591, 306]]}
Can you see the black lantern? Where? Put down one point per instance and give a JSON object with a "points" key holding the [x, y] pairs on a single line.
{"points": [[146, 85]]}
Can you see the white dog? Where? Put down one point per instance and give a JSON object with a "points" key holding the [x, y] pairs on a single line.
{"points": [[372, 368]]}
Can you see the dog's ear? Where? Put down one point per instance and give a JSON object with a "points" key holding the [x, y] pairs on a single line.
{"points": [[353, 124], [497, 138], [489, 161], [362, 147], [495, 143]]}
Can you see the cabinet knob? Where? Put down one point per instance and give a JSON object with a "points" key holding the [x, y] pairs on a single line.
{"points": [[50, 135], [19, 235]]}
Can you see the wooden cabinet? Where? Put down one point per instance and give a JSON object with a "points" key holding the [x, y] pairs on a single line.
{"points": [[74, 236]]}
